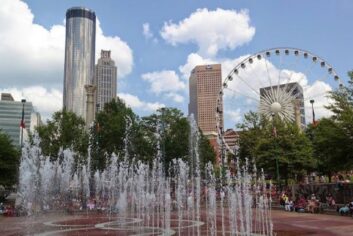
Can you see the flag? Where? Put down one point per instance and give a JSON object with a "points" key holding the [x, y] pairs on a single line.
{"points": [[22, 124]]}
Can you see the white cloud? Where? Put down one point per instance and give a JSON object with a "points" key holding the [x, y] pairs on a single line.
{"points": [[45, 101], [318, 91], [234, 116], [135, 103], [147, 31], [175, 97], [211, 30], [121, 52], [193, 60], [242, 93], [164, 81], [29, 52], [32, 54]]}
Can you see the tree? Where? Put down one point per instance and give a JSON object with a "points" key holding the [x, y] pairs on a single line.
{"points": [[110, 130], [206, 151], [342, 108], [288, 146], [173, 129], [253, 128], [65, 130], [9, 161], [331, 147], [333, 137]]}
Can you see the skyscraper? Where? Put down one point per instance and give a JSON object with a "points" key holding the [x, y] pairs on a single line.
{"points": [[204, 86], [79, 57], [105, 79]]}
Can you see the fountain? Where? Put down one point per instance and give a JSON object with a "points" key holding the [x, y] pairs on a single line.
{"points": [[133, 198]]}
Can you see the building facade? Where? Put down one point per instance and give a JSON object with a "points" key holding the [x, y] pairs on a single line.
{"points": [[204, 86], [231, 138], [11, 116], [296, 91], [79, 58], [105, 80]]}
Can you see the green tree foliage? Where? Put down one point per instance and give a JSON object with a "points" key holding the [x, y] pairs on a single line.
{"points": [[109, 132], [174, 130], [333, 137], [206, 151], [9, 161], [65, 130], [118, 130], [288, 145], [252, 127], [174, 133], [331, 147]]}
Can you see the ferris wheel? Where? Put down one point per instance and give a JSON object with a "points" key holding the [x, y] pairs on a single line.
{"points": [[285, 82]]}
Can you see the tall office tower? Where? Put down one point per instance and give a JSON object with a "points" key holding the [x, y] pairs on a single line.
{"points": [[296, 91], [79, 58], [11, 116], [204, 86], [105, 80]]}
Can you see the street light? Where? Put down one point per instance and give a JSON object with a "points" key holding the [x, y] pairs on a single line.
{"points": [[312, 108], [22, 125], [222, 154], [163, 140], [275, 136]]}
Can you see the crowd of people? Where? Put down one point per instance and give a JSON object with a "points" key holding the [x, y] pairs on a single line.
{"points": [[304, 204], [313, 204]]}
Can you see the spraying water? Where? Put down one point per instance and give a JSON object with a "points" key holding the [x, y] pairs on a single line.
{"points": [[185, 203]]}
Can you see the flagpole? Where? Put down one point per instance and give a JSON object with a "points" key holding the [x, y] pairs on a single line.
{"points": [[22, 120]]}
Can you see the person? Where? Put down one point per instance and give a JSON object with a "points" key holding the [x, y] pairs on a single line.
{"points": [[350, 206], [313, 204], [330, 200], [288, 205], [300, 204], [283, 198], [344, 210]]}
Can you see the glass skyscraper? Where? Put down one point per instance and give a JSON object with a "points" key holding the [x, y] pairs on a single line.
{"points": [[79, 58]]}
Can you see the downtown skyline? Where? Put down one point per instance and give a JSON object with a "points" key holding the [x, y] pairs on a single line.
{"points": [[156, 49]]}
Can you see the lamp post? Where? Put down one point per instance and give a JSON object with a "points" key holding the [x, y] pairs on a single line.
{"points": [[312, 108], [222, 154], [22, 125], [163, 140], [275, 136], [236, 153]]}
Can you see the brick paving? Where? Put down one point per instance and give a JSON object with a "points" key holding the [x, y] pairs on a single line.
{"points": [[285, 224]]}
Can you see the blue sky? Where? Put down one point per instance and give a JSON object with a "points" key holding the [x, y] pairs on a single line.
{"points": [[152, 61]]}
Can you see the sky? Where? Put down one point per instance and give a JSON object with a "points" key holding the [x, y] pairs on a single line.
{"points": [[156, 44]]}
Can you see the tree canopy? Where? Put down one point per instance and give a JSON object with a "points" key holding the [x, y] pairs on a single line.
{"points": [[65, 130], [271, 142], [9, 161], [332, 137]]}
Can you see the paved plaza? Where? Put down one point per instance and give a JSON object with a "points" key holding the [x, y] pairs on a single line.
{"points": [[292, 224], [285, 224]]}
